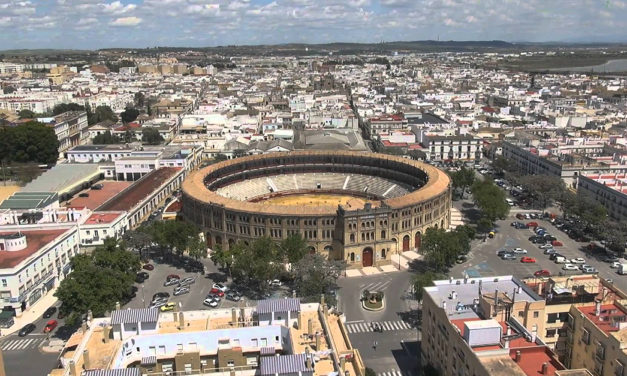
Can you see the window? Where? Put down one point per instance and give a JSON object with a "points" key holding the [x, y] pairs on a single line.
{"points": [[4, 282], [179, 347], [619, 369], [535, 314], [230, 363], [264, 342], [585, 336]]}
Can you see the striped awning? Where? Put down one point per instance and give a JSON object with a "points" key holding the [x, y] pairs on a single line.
{"points": [[278, 305], [128, 316], [283, 364], [149, 360], [113, 372], [267, 351]]}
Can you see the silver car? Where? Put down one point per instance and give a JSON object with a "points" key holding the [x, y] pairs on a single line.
{"points": [[186, 281], [181, 290]]}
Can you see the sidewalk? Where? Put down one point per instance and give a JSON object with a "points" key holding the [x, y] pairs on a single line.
{"points": [[33, 313], [404, 260]]}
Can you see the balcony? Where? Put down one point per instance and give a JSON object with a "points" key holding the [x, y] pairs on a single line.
{"points": [[36, 284]]}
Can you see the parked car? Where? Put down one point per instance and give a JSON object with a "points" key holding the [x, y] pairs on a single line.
{"points": [[97, 187], [187, 281], [141, 277], [532, 224], [570, 267], [610, 259], [148, 267], [50, 325], [519, 251], [160, 295], [181, 290], [527, 260], [588, 269], [502, 252], [557, 243], [167, 307], [158, 303], [172, 276], [549, 251], [615, 265], [26, 329], [545, 246], [220, 287], [211, 302], [84, 194], [508, 256], [215, 291], [461, 259], [578, 260], [49, 312], [171, 282], [542, 273], [275, 283], [234, 296]]}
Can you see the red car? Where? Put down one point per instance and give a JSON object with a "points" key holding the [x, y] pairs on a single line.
{"points": [[542, 273], [557, 243], [217, 292], [148, 267], [172, 276], [520, 216], [532, 224], [50, 325], [528, 260]]}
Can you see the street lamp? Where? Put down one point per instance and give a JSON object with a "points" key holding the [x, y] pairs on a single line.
{"points": [[143, 296], [399, 260]]}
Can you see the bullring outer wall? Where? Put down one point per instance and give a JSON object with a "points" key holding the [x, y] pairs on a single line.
{"points": [[367, 236]]}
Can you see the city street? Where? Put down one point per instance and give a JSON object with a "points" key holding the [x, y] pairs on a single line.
{"points": [[396, 350]]}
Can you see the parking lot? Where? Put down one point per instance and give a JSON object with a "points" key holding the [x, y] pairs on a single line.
{"points": [[483, 259]]}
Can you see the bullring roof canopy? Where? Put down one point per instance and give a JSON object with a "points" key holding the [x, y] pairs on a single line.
{"points": [[437, 182]]}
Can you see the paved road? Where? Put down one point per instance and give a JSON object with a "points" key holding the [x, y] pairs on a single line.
{"points": [[396, 350]]}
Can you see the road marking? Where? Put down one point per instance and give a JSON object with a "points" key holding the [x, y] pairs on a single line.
{"points": [[393, 372], [363, 327], [19, 344], [352, 322]]}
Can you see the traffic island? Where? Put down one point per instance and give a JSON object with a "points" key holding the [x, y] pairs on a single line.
{"points": [[372, 300]]}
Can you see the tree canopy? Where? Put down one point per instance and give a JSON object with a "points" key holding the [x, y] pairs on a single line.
{"points": [[65, 107], [176, 236], [29, 142], [422, 280], [98, 281], [106, 138], [544, 189], [490, 199], [26, 114], [129, 115], [314, 275], [441, 248], [151, 136], [102, 113], [463, 178]]}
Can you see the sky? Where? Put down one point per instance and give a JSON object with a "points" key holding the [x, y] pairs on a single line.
{"points": [[93, 24]]}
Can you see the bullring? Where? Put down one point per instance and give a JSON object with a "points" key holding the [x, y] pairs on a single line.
{"points": [[355, 206]]}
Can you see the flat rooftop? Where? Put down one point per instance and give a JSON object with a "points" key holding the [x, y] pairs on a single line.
{"points": [[97, 197], [35, 240], [609, 318], [460, 294], [102, 217], [133, 195]]}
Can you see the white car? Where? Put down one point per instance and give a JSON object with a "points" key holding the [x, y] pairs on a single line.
{"points": [[220, 287], [570, 267], [211, 302], [545, 246], [578, 260], [275, 283], [615, 265], [519, 251]]}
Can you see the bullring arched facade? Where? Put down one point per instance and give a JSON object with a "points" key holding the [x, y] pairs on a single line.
{"points": [[368, 235]]}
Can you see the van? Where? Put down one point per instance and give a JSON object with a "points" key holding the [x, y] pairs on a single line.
{"points": [[510, 202], [560, 260]]}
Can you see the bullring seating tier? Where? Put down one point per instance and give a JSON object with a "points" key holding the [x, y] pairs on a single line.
{"points": [[367, 184]]}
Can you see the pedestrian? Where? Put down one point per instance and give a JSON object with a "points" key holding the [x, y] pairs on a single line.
{"points": [[374, 345]]}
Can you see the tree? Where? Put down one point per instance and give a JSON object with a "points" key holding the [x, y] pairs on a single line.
{"points": [[490, 199], [151, 136], [175, 236], [220, 157], [139, 99], [463, 178], [138, 239], [197, 248], [65, 107], [129, 115], [423, 280], [26, 114], [441, 248], [129, 136], [102, 113], [257, 263], [29, 142], [294, 248], [9, 90], [314, 275], [106, 138], [502, 164], [544, 189], [98, 281]]}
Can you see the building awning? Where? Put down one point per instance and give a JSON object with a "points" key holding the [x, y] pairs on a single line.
{"points": [[562, 290], [113, 372], [267, 351], [284, 364], [149, 361], [278, 305], [134, 316], [67, 267]]}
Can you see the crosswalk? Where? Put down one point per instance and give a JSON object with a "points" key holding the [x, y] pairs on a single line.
{"points": [[363, 327], [22, 343], [393, 372], [375, 286]]}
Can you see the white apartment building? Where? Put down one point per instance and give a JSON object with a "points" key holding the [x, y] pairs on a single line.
{"points": [[70, 128], [439, 148], [10, 68], [610, 190]]}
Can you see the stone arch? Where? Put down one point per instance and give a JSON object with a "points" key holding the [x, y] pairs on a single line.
{"points": [[352, 257], [209, 240], [406, 242], [219, 240], [417, 240], [311, 249]]}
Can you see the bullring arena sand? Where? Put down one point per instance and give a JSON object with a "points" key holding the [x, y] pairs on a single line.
{"points": [[318, 199]]}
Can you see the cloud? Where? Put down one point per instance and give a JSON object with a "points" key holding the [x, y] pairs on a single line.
{"points": [[126, 21], [117, 7]]}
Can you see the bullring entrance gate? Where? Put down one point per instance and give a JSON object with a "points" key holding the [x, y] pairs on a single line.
{"points": [[367, 256]]}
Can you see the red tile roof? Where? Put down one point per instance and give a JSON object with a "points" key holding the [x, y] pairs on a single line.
{"points": [[604, 320], [532, 359], [101, 217], [35, 240], [99, 197]]}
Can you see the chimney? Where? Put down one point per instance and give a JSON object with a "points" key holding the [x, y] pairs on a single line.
{"points": [[509, 333], [90, 315], [342, 362], [242, 314], [318, 341], [181, 320], [496, 300], [450, 280], [117, 306], [545, 368], [444, 305], [300, 320], [234, 317], [86, 362], [518, 356], [321, 299], [465, 278], [84, 326], [480, 284], [597, 307], [310, 326], [308, 362], [73, 370], [105, 334]]}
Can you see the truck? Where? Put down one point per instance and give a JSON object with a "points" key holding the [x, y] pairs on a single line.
{"points": [[622, 269]]}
